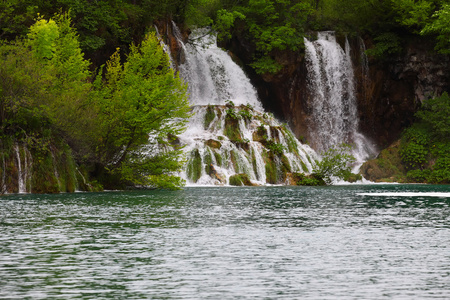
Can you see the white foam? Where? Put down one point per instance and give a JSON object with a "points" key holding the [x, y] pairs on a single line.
{"points": [[408, 194]]}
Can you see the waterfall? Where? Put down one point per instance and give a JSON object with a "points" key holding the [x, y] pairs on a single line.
{"points": [[365, 76], [213, 76], [23, 169], [229, 132], [334, 114]]}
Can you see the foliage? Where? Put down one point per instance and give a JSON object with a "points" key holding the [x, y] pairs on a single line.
{"points": [[436, 113], [386, 44], [415, 148], [270, 25], [440, 27], [275, 148], [138, 98], [308, 180], [412, 13], [335, 162], [46, 92], [231, 114], [245, 114], [426, 144]]}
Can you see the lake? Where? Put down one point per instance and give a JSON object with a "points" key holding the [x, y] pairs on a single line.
{"points": [[337, 242]]}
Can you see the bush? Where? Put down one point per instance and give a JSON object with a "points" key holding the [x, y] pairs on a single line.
{"points": [[335, 162], [275, 148]]}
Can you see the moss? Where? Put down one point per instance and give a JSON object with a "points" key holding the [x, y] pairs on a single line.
{"points": [[387, 167], [232, 130], [260, 135], [303, 165], [285, 165], [271, 168], [234, 158], [290, 140], [254, 162], [209, 116], [213, 144], [218, 158], [240, 180], [194, 167], [207, 160]]}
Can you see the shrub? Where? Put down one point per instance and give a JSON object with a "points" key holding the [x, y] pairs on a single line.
{"points": [[335, 163]]}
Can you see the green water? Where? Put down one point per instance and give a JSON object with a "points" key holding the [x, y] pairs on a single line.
{"points": [[228, 243]]}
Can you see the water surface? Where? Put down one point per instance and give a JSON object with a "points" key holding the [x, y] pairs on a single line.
{"points": [[341, 242]]}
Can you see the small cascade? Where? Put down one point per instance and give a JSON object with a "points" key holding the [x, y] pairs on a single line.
{"points": [[229, 133], [23, 169], [55, 171], [365, 77], [334, 118], [225, 140]]}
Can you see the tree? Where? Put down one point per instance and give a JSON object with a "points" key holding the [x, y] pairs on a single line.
{"points": [[141, 98], [270, 25], [440, 26]]}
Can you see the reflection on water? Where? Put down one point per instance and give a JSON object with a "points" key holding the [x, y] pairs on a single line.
{"points": [[342, 242]]}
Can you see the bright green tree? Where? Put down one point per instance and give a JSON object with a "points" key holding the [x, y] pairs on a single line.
{"points": [[142, 101]]}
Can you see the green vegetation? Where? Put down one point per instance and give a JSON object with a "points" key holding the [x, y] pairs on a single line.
{"points": [[65, 85], [47, 95], [335, 162], [240, 180], [426, 145], [423, 153], [209, 116], [194, 167], [269, 27], [307, 180], [275, 148]]}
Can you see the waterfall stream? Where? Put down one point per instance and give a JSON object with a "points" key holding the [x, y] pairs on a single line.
{"points": [[230, 133], [332, 88]]}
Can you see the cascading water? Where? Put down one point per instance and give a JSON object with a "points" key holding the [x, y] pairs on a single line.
{"points": [[230, 133], [23, 169], [332, 88]]}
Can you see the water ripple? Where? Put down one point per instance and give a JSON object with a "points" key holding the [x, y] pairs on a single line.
{"points": [[215, 243]]}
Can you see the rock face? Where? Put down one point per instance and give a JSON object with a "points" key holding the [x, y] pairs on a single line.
{"points": [[388, 93], [394, 89]]}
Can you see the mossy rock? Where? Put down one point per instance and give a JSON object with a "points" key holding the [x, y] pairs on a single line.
{"points": [[232, 130], [352, 177], [387, 167], [240, 180], [271, 171], [209, 116], [260, 134], [218, 157], [285, 165], [213, 144], [304, 179], [194, 167]]}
